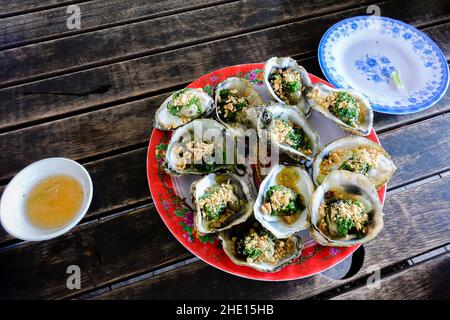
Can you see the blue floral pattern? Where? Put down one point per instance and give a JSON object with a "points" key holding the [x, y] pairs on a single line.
{"points": [[375, 68], [378, 68]]}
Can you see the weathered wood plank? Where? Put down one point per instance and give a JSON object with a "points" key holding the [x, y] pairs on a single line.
{"points": [[414, 154], [112, 83], [105, 251], [383, 122], [43, 25], [426, 281], [153, 36], [81, 136], [22, 6], [423, 212], [119, 182]]}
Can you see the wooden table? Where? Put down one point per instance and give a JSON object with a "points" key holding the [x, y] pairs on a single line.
{"points": [[91, 94]]}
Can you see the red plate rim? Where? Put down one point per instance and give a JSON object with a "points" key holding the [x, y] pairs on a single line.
{"points": [[313, 260]]}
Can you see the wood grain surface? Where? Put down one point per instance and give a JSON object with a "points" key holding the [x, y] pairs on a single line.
{"points": [[48, 24], [105, 251], [112, 83], [18, 7], [152, 36], [428, 280]]}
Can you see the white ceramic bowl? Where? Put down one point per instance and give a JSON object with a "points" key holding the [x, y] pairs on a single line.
{"points": [[12, 205]]}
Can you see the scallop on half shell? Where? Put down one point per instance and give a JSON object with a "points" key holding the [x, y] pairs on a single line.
{"points": [[250, 245], [347, 108], [289, 130], [287, 82], [182, 107], [282, 198], [221, 201], [232, 97], [356, 154], [345, 210]]}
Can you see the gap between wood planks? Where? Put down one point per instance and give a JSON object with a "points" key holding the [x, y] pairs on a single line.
{"points": [[357, 283], [74, 32], [99, 104], [307, 58], [41, 8], [206, 39]]}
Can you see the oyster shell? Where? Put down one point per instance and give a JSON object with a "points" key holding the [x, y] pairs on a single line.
{"points": [[242, 251], [300, 141], [232, 96], [356, 154], [345, 210], [233, 202], [182, 107], [296, 186], [199, 147], [348, 108], [293, 91]]}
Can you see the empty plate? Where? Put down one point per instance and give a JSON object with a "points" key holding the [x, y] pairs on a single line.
{"points": [[399, 68]]}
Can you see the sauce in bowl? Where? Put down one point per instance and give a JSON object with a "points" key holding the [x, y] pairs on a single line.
{"points": [[54, 201]]}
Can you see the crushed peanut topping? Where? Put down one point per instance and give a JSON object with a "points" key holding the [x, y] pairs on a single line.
{"points": [[195, 150], [231, 103], [285, 82], [185, 104], [283, 202], [281, 197], [280, 130], [341, 217], [324, 101], [360, 160], [183, 98], [216, 199], [284, 132], [340, 104], [263, 247]]}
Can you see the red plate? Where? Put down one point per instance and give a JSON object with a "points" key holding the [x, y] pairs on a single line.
{"points": [[179, 219]]}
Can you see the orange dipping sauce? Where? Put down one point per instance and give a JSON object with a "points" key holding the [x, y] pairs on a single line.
{"points": [[54, 201]]}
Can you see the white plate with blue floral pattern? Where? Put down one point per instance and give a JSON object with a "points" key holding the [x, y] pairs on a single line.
{"points": [[399, 68]]}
